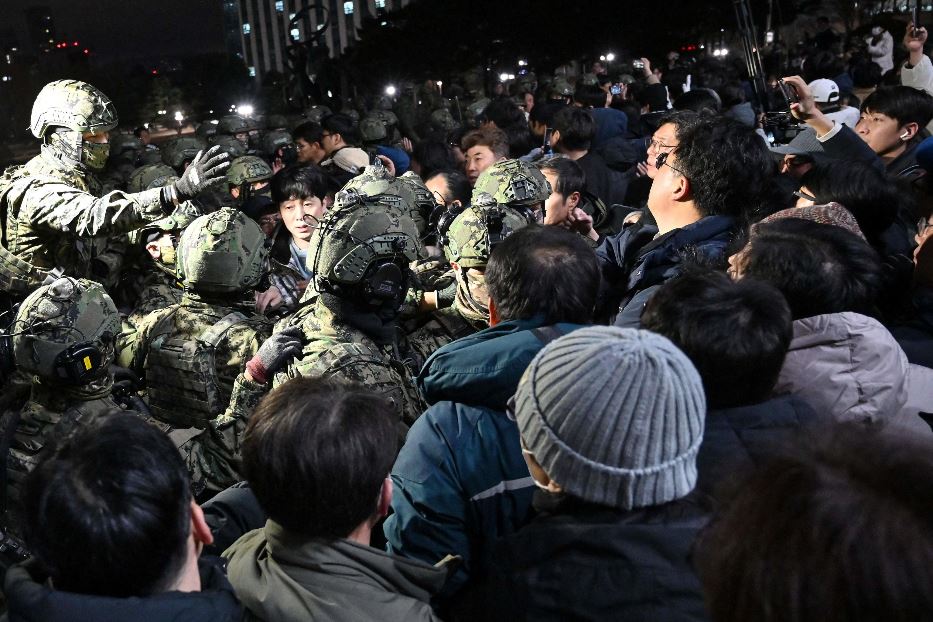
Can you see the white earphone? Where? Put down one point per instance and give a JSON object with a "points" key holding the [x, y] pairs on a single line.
{"points": [[905, 135]]}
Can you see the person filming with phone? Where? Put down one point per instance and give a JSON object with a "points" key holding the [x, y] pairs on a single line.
{"points": [[887, 134]]}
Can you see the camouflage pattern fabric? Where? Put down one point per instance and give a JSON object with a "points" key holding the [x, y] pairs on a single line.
{"points": [[373, 129], [150, 176], [248, 169], [336, 349], [231, 145], [180, 149], [513, 183], [441, 327], [53, 221], [234, 124], [221, 252], [316, 113], [72, 104], [473, 233]]}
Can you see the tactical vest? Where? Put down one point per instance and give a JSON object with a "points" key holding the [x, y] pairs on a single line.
{"points": [[181, 375], [17, 277]]}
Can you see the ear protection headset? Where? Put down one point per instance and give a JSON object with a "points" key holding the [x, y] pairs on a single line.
{"points": [[446, 219], [80, 363]]}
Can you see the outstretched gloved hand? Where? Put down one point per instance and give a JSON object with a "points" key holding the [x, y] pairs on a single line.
{"points": [[207, 170], [274, 353]]}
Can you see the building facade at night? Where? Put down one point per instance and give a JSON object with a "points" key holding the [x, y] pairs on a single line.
{"points": [[265, 27]]}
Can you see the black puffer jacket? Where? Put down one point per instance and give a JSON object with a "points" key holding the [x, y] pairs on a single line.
{"points": [[30, 599], [577, 561]]}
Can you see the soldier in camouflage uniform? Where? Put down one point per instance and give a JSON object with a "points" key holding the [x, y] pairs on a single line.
{"points": [[63, 338], [244, 130], [507, 197], [247, 178], [178, 152], [360, 256], [190, 353], [53, 218]]}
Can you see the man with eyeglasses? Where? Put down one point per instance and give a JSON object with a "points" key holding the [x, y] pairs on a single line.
{"points": [[702, 193]]}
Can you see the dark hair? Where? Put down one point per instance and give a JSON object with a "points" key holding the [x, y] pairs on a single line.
{"points": [[819, 268], [138, 132], [866, 74], [107, 510], [728, 165], [299, 182], [570, 176], [683, 120], [735, 333], [835, 528], [309, 131], [590, 95], [504, 113], [698, 100], [731, 94], [543, 270], [316, 452], [577, 128], [904, 104], [433, 155], [491, 137], [861, 188], [344, 125], [544, 112], [458, 186]]}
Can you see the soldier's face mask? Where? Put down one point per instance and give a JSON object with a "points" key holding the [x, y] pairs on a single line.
{"points": [[94, 155]]}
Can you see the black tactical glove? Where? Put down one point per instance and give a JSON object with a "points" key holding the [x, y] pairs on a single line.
{"points": [[205, 171], [447, 295], [274, 353]]}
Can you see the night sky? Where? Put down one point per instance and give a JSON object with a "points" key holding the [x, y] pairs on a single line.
{"points": [[132, 29]]}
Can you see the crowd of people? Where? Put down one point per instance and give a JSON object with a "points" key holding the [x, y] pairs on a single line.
{"points": [[596, 348]]}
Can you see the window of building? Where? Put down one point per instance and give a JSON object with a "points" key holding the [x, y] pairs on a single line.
{"points": [[252, 72], [280, 6], [247, 28], [295, 33], [380, 4], [348, 8]]}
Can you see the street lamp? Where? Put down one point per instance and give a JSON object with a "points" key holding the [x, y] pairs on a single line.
{"points": [[610, 57], [244, 110], [179, 116], [390, 91], [503, 77]]}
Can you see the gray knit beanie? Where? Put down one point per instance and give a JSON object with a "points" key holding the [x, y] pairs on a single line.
{"points": [[614, 415]]}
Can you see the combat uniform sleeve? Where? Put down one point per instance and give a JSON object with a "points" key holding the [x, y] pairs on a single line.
{"points": [[60, 207]]}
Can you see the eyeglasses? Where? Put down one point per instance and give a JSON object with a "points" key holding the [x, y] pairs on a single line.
{"points": [[659, 146], [325, 134], [662, 160], [804, 195]]}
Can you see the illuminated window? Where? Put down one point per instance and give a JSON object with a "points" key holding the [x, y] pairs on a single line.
{"points": [[348, 8], [280, 6], [295, 33], [247, 29], [252, 72], [380, 4]]}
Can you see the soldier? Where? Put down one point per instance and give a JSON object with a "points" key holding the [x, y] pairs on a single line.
{"points": [[190, 353], [64, 337], [248, 178], [230, 145], [241, 128], [54, 220], [178, 152], [507, 197], [360, 256]]}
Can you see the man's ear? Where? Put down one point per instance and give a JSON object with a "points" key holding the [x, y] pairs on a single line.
{"points": [[494, 318], [909, 131], [573, 200], [385, 498], [682, 190], [555, 137], [154, 251], [235, 192], [199, 529]]}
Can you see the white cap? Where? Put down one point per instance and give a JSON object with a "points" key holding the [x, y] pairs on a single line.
{"points": [[824, 91]]}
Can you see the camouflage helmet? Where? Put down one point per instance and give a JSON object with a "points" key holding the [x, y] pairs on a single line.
{"points": [[231, 145], [476, 108], [589, 79], [66, 331], [180, 149], [206, 130], [560, 87], [362, 249], [441, 119], [316, 113], [354, 115], [386, 116], [424, 200], [274, 140], [373, 129], [231, 124], [384, 102], [182, 216], [151, 155], [511, 182], [124, 142], [150, 176], [376, 185], [476, 231], [248, 169], [73, 104], [223, 252]]}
